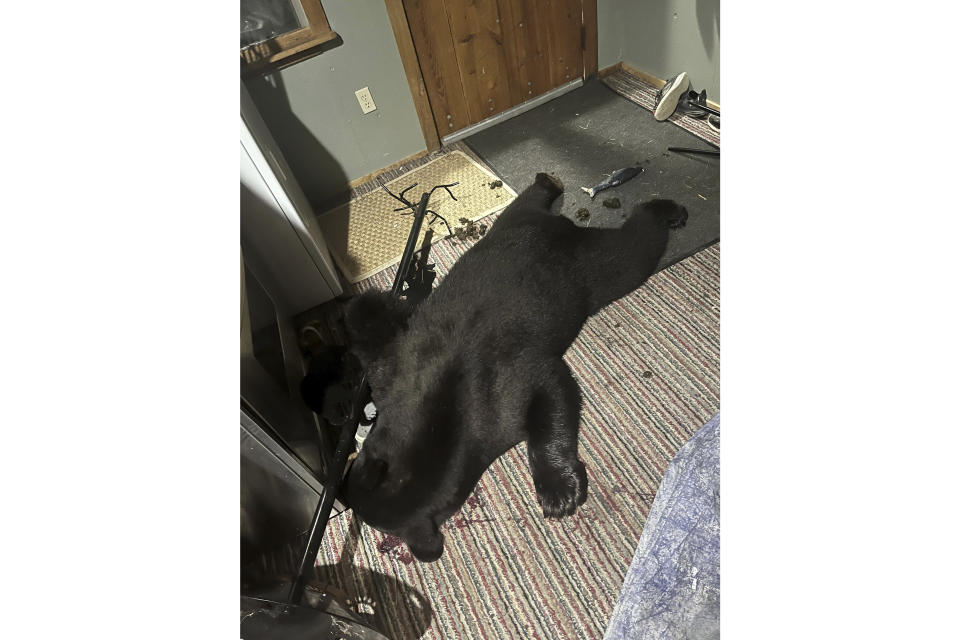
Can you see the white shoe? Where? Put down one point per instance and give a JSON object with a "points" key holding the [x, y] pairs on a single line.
{"points": [[669, 95]]}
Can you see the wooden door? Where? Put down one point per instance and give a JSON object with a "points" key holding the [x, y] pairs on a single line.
{"points": [[481, 57]]}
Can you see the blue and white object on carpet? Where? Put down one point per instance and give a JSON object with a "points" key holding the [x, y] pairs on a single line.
{"points": [[672, 588]]}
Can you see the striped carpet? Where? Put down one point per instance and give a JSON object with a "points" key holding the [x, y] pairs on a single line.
{"points": [[648, 366], [643, 93]]}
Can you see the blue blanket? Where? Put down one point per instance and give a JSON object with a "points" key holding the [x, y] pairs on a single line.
{"points": [[672, 588]]}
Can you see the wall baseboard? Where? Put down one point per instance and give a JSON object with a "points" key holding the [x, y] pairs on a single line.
{"points": [[603, 73], [370, 176]]}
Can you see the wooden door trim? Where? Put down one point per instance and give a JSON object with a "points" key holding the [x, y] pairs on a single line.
{"points": [[411, 67], [588, 29]]}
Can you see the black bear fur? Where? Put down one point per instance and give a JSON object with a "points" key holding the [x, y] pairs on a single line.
{"points": [[477, 367]]}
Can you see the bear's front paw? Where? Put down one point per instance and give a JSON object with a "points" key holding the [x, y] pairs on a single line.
{"points": [[562, 491]]}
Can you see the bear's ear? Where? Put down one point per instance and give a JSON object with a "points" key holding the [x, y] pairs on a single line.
{"points": [[373, 320]]}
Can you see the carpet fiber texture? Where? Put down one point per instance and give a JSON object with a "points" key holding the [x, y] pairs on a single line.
{"points": [[641, 92], [648, 366]]}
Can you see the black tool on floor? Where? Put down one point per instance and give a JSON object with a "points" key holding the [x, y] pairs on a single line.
{"points": [[361, 395], [706, 152], [346, 443], [409, 205], [703, 105]]}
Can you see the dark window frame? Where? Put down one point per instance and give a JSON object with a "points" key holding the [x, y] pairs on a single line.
{"points": [[293, 46]]}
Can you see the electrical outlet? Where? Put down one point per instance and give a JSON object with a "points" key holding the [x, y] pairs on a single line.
{"points": [[365, 100]]}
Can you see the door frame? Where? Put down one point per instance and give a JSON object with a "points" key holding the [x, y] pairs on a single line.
{"points": [[411, 65]]}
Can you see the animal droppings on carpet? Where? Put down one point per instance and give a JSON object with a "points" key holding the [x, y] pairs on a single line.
{"points": [[496, 184], [612, 203], [470, 229], [648, 374], [583, 214]]}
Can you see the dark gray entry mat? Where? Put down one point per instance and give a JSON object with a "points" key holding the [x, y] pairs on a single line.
{"points": [[583, 136]]}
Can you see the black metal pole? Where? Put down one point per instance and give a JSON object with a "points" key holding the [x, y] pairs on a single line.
{"points": [[411, 244], [345, 445], [706, 152]]}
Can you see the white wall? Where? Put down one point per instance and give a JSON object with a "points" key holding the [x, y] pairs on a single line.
{"points": [[663, 38]]}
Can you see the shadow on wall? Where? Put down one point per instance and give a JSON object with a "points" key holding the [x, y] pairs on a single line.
{"points": [[320, 176], [665, 38], [708, 19]]}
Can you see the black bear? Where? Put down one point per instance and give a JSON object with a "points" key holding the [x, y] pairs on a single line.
{"points": [[477, 367]]}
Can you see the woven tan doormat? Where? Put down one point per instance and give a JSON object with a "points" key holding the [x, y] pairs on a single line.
{"points": [[366, 235]]}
